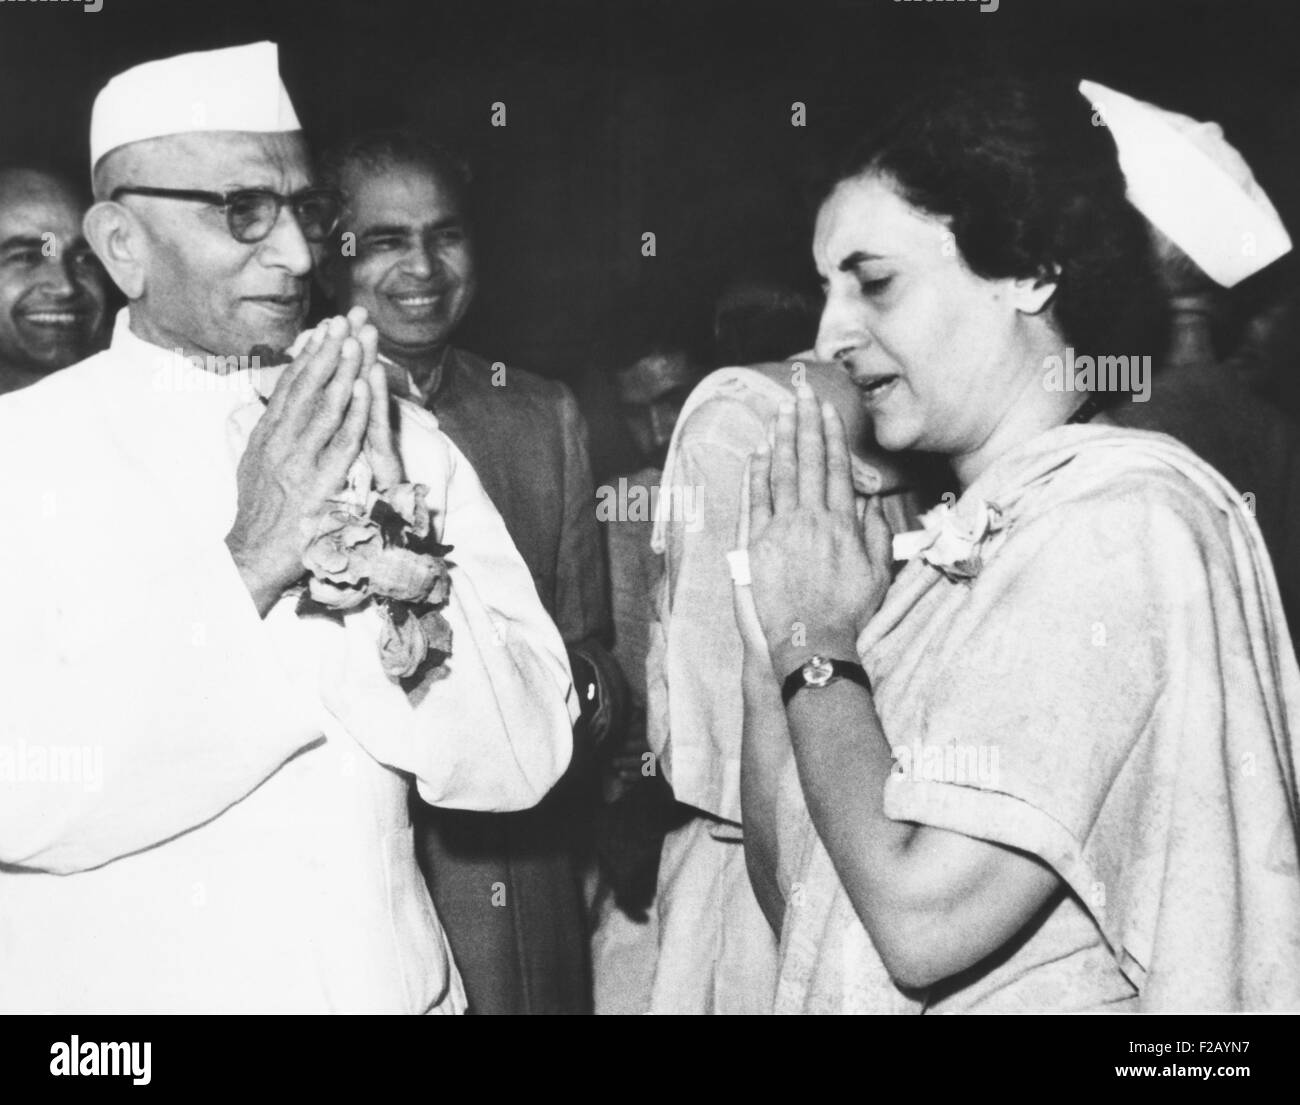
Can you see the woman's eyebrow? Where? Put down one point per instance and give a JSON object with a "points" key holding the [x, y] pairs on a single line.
{"points": [[856, 258]]}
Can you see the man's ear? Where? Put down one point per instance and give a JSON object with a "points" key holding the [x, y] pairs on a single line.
{"points": [[1031, 295], [117, 238]]}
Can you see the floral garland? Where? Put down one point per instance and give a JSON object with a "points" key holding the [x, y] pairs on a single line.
{"points": [[378, 546]]}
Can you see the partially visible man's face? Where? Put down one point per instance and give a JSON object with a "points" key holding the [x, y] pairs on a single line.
{"points": [[650, 394], [205, 292], [414, 267], [52, 290]]}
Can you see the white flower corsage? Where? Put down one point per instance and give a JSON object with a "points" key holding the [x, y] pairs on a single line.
{"points": [[947, 543]]}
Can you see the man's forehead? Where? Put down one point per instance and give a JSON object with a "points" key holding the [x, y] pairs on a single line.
{"points": [[398, 194], [34, 204], [219, 160]]}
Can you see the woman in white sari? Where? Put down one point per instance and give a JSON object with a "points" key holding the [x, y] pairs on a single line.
{"points": [[1050, 766]]}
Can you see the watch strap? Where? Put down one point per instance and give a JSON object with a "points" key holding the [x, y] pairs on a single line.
{"points": [[840, 669]]}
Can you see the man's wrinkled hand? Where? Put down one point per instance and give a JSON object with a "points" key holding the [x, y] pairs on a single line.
{"points": [[381, 433], [298, 456]]}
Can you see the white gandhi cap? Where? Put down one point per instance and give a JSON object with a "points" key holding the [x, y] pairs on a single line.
{"points": [[1192, 186], [233, 89]]}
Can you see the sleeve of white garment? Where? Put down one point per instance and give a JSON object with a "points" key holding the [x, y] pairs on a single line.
{"points": [[703, 661], [498, 728], [139, 693]]}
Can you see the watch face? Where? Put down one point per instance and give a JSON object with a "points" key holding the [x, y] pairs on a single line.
{"points": [[817, 672]]}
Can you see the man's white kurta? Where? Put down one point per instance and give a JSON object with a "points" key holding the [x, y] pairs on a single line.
{"points": [[201, 809]]}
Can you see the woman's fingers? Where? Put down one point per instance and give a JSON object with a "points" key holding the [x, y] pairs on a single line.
{"points": [[760, 494], [811, 447], [839, 471], [785, 460]]}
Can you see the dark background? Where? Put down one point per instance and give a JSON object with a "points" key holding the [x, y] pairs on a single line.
{"points": [[630, 116]]}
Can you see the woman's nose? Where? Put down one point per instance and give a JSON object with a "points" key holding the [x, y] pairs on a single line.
{"points": [[840, 331]]}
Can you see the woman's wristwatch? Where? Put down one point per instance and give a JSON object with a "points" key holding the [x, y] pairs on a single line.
{"points": [[818, 671]]}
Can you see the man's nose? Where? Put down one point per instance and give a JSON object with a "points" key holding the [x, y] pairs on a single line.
{"points": [[286, 246], [419, 261], [840, 330], [57, 275]]}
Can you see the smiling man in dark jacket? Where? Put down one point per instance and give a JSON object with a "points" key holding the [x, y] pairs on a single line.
{"points": [[506, 885]]}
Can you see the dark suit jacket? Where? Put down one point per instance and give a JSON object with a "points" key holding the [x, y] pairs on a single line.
{"points": [[506, 886], [528, 443]]}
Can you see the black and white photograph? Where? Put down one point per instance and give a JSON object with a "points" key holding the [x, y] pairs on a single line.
{"points": [[621, 507]]}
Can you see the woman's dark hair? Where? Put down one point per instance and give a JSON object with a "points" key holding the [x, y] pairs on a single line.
{"points": [[1029, 180]]}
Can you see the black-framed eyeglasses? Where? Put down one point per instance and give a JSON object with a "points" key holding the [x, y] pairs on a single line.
{"points": [[251, 213]]}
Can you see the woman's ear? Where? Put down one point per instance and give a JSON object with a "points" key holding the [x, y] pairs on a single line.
{"points": [[117, 238], [1031, 295]]}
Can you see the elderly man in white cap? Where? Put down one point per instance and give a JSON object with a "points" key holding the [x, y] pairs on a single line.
{"points": [[1212, 227], [203, 766]]}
